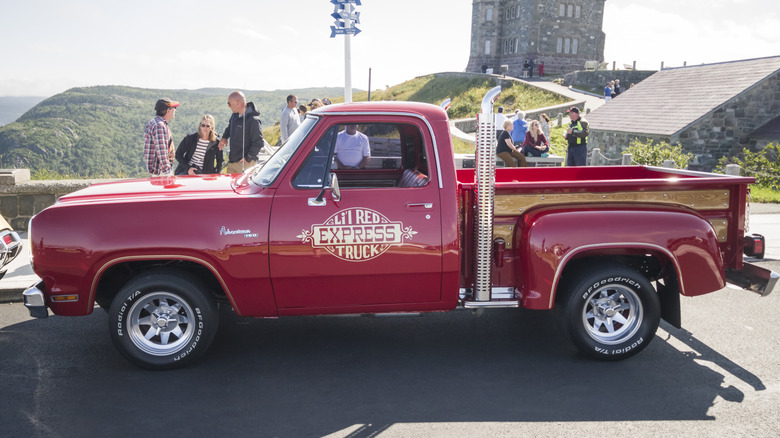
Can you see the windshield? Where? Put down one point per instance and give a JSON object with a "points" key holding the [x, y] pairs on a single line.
{"points": [[266, 174]]}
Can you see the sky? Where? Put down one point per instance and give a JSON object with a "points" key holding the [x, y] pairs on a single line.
{"points": [[49, 46]]}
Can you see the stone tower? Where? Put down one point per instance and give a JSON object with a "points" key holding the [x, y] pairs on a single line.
{"points": [[563, 34]]}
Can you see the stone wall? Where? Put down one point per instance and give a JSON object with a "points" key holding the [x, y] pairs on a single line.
{"points": [[20, 201], [612, 144], [599, 78], [726, 131]]}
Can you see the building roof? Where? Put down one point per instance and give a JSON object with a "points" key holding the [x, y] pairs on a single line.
{"points": [[770, 130], [673, 99]]}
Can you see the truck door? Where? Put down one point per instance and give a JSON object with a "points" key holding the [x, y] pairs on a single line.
{"points": [[379, 244]]}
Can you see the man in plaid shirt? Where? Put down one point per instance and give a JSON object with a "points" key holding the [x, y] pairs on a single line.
{"points": [[158, 141]]}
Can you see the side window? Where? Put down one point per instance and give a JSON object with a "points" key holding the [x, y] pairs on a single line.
{"points": [[315, 169], [366, 155]]}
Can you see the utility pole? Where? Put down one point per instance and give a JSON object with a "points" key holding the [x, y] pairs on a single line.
{"points": [[346, 18]]}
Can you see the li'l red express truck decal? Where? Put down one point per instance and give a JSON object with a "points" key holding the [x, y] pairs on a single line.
{"points": [[357, 234]]}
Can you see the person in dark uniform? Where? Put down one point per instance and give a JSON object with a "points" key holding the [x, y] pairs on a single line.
{"points": [[577, 137]]}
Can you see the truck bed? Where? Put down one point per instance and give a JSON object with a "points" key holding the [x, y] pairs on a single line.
{"points": [[720, 199], [607, 178]]}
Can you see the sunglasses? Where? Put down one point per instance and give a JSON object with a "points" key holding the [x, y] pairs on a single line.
{"points": [[205, 126]]}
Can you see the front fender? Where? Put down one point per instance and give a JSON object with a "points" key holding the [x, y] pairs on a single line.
{"points": [[549, 239]]}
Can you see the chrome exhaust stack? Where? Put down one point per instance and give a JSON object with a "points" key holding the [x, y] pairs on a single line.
{"points": [[485, 191]]}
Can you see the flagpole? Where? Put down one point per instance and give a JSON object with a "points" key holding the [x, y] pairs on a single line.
{"points": [[347, 55]]}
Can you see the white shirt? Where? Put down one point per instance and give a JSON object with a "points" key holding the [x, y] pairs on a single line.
{"points": [[499, 120], [289, 122], [351, 149]]}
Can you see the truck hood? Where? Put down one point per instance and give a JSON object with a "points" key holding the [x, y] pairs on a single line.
{"points": [[153, 187]]}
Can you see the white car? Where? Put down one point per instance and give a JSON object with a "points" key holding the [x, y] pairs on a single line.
{"points": [[10, 245]]}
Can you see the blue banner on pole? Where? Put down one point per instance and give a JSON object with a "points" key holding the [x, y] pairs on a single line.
{"points": [[341, 15], [343, 31]]}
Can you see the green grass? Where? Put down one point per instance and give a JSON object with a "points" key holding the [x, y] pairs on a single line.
{"points": [[764, 195], [462, 146], [466, 94], [48, 174]]}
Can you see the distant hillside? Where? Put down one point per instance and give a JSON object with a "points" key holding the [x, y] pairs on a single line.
{"points": [[12, 107], [98, 131]]}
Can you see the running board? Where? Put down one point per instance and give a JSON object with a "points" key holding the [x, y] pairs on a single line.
{"points": [[490, 304]]}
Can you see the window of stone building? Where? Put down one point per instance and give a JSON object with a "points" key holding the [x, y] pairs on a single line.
{"points": [[567, 45], [570, 11], [517, 44], [487, 47], [574, 46], [562, 10], [512, 15], [489, 14], [577, 11], [560, 45]]}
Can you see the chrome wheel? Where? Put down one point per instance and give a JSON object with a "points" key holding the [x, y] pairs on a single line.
{"points": [[609, 312], [163, 319], [161, 323], [612, 314]]}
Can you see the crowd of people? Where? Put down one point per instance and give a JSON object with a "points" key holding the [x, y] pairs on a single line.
{"points": [[202, 152], [519, 138], [613, 89]]}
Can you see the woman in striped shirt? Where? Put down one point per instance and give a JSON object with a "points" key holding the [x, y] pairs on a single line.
{"points": [[199, 153]]}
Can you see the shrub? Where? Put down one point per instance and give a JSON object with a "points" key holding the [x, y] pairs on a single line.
{"points": [[650, 154], [763, 165]]}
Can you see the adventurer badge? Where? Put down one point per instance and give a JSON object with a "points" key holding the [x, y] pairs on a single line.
{"points": [[357, 234]]}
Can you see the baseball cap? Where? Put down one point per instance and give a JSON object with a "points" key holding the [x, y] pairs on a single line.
{"points": [[165, 103], [573, 109]]}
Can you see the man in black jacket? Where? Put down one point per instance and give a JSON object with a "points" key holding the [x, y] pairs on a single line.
{"points": [[244, 132]]}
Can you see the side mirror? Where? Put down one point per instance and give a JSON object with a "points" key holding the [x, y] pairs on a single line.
{"points": [[335, 192]]}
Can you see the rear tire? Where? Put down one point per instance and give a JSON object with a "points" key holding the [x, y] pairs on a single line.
{"points": [[610, 312], [163, 319]]}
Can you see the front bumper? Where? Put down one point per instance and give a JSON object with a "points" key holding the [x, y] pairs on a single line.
{"points": [[753, 278], [35, 301]]}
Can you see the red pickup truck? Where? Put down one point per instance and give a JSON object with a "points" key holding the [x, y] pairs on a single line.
{"points": [[382, 222]]}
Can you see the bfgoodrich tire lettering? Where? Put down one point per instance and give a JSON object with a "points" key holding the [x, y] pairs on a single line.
{"points": [[610, 312], [163, 319]]}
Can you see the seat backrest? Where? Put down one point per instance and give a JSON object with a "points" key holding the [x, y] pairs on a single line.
{"points": [[413, 178]]}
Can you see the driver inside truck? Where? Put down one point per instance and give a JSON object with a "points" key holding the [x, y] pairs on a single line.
{"points": [[352, 149]]}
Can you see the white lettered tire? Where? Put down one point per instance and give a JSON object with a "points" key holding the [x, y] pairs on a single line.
{"points": [[163, 319], [610, 312]]}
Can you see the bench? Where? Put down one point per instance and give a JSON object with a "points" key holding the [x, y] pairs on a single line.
{"points": [[467, 161], [591, 65]]}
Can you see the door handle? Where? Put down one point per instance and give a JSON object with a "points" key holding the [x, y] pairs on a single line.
{"points": [[425, 205]]}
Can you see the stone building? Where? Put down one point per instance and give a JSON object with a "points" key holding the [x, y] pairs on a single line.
{"points": [[712, 110], [563, 34]]}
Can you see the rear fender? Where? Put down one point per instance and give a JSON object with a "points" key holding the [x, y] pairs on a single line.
{"points": [[550, 240]]}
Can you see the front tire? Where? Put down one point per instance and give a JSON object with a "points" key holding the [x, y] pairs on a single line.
{"points": [[610, 312], [163, 319]]}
